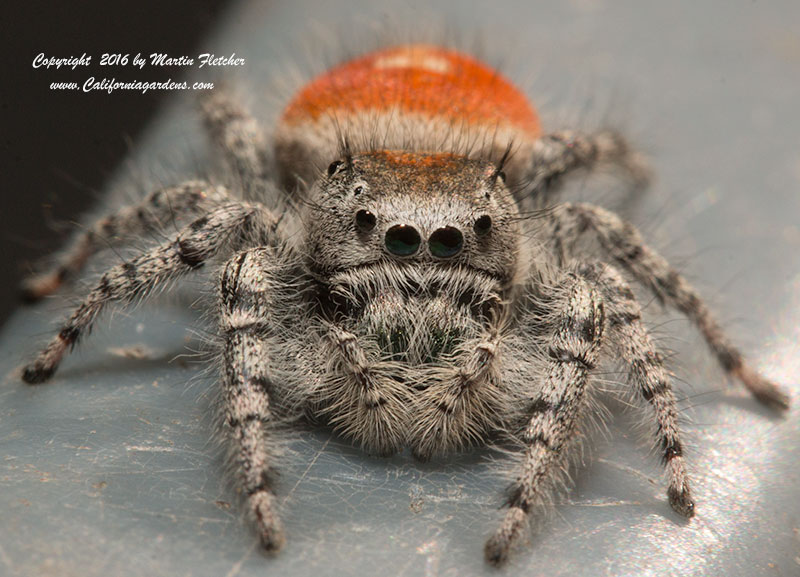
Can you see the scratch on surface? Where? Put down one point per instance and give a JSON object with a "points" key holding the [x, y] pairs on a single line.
{"points": [[166, 514], [351, 478], [4, 557], [150, 449], [311, 464], [606, 503], [237, 567], [628, 470]]}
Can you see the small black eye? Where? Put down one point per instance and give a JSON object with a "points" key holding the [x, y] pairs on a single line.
{"points": [[365, 220], [334, 166], [358, 190], [483, 225]]}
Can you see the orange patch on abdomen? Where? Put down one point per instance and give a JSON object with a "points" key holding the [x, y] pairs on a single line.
{"points": [[419, 80]]}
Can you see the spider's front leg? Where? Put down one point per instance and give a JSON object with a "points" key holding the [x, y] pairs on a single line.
{"points": [[202, 239], [562, 153], [599, 306], [245, 321], [573, 350], [151, 214]]}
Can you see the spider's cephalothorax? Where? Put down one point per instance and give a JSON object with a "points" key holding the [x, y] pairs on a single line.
{"points": [[416, 255], [404, 294]]}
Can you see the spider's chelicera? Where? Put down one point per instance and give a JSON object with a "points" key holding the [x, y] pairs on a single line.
{"points": [[425, 291]]}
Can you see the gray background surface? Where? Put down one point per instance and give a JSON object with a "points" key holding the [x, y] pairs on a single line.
{"points": [[111, 468]]}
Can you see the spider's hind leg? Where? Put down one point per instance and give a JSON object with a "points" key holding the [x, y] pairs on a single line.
{"points": [[622, 242], [647, 374], [201, 240], [151, 214], [560, 154], [241, 140]]}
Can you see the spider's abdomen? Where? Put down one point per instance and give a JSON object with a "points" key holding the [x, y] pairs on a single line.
{"points": [[416, 80], [413, 97]]}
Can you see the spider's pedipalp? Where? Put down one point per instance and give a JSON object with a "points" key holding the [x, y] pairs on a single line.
{"points": [[361, 399], [463, 407]]}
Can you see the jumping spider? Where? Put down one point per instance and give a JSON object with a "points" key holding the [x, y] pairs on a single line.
{"points": [[423, 292]]}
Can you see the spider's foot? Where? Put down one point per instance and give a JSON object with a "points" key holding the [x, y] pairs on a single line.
{"points": [[46, 363], [37, 372], [272, 538], [496, 550], [498, 547], [270, 531], [681, 501], [639, 172], [764, 390]]}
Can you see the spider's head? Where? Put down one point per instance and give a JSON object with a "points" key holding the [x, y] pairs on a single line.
{"points": [[413, 209]]}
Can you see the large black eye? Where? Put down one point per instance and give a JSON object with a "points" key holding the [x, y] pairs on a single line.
{"points": [[446, 242], [334, 166], [483, 225], [365, 220], [402, 240]]}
